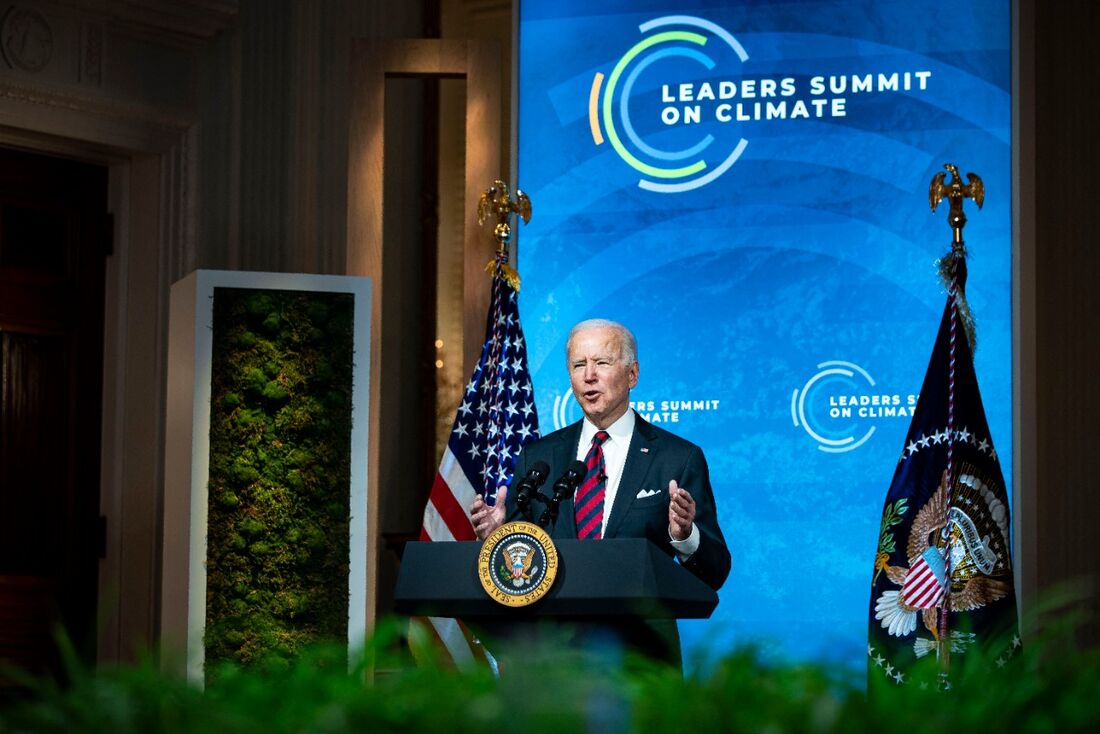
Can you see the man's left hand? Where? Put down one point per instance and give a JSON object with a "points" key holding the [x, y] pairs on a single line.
{"points": [[681, 511]]}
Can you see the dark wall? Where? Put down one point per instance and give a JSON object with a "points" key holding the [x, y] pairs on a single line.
{"points": [[1067, 303]]}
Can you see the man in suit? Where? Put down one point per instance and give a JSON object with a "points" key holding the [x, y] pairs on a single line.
{"points": [[642, 481]]}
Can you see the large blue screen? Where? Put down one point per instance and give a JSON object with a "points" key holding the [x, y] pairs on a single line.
{"points": [[745, 185]]}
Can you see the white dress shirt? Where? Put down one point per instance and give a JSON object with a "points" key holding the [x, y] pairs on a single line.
{"points": [[614, 460]]}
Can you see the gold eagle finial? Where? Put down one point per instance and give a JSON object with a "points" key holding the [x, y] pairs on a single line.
{"points": [[955, 191], [496, 202]]}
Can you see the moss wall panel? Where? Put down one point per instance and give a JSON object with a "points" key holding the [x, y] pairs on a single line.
{"points": [[280, 455]]}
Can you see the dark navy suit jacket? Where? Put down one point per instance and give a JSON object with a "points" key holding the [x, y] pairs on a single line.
{"points": [[655, 456]]}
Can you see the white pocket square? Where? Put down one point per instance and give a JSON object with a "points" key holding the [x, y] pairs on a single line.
{"points": [[647, 493]]}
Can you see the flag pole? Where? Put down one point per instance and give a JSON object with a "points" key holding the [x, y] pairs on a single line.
{"points": [[952, 570], [497, 201], [496, 418], [956, 192]]}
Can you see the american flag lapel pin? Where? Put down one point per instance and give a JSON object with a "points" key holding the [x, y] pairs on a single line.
{"points": [[645, 449]]}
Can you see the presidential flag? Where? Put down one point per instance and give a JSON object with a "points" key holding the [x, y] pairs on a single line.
{"points": [[494, 420], [942, 583]]}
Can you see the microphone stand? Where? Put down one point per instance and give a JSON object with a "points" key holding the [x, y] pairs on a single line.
{"points": [[566, 485]]}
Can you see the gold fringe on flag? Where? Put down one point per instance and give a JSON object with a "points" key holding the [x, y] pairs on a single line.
{"points": [[946, 266], [955, 191], [497, 202], [511, 277]]}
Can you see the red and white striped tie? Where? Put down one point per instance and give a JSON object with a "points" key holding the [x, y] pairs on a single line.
{"points": [[588, 501]]}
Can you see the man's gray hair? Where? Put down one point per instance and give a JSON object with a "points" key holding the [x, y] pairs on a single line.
{"points": [[627, 343]]}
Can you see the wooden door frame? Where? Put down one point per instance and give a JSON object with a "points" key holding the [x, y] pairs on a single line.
{"points": [[151, 180], [372, 62]]}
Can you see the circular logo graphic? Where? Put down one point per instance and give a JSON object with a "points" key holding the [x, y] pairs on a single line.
{"points": [[811, 405], [565, 409], [650, 106], [517, 564]]}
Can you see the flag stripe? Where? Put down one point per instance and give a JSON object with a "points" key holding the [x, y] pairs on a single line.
{"points": [[451, 636], [924, 597], [456, 477], [434, 527], [454, 516], [921, 588], [451, 495]]}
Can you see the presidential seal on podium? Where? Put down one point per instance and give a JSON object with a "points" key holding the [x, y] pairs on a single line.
{"points": [[517, 564]]}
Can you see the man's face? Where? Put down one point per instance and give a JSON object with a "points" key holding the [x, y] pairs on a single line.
{"points": [[601, 382]]}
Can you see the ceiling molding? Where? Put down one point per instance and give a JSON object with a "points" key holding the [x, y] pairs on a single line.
{"points": [[179, 22]]}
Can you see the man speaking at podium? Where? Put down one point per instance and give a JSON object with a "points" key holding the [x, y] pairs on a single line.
{"points": [[640, 480]]}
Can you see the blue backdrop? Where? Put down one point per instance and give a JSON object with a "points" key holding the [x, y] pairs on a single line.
{"points": [[745, 185]]}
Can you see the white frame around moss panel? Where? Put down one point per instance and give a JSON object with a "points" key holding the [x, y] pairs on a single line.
{"points": [[187, 455]]}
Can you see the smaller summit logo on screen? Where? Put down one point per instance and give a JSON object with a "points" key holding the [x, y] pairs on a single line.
{"points": [[666, 408], [841, 405]]}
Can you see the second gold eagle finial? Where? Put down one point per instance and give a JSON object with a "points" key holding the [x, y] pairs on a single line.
{"points": [[955, 191]]}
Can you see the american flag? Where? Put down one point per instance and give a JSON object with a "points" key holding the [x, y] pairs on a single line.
{"points": [[495, 419]]}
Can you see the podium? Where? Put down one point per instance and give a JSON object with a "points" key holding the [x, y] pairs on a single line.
{"points": [[609, 595], [625, 586]]}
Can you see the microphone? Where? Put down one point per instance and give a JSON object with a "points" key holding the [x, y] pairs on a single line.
{"points": [[529, 485], [563, 487]]}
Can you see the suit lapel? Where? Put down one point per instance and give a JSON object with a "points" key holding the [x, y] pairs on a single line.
{"points": [[639, 457], [564, 454]]}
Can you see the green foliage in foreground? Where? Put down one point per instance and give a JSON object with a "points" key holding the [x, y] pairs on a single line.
{"points": [[552, 692]]}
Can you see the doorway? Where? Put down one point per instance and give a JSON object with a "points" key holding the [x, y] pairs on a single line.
{"points": [[55, 236]]}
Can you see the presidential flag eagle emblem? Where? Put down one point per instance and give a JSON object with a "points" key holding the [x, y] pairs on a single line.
{"points": [[967, 567]]}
